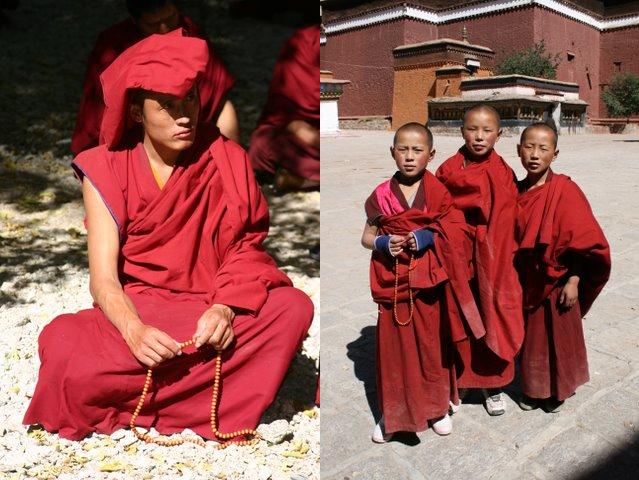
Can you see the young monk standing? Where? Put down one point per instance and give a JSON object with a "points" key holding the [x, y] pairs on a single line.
{"points": [[564, 262], [175, 225], [149, 17], [483, 187], [419, 278]]}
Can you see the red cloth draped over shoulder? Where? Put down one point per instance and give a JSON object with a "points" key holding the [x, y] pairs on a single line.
{"points": [[556, 223], [213, 85], [293, 95], [183, 238], [486, 192], [434, 266]]}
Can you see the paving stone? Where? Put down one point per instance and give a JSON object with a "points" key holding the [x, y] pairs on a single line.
{"points": [[605, 371], [344, 366], [345, 437], [335, 316], [615, 416], [361, 306], [633, 384], [573, 452], [518, 427], [461, 455], [377, 467]]}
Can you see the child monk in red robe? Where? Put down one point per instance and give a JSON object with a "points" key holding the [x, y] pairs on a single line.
{"points": [[287, 137], [564, 262], [419, 278], [149, 17], [483, 187], [175, 226]]}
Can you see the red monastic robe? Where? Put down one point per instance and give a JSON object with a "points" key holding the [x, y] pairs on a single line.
{"points": [[194, 243], [293, 95], [213, 86], [415, 363], [558, 236], [486, 192]]}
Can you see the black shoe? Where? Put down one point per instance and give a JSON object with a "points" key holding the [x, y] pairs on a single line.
{"points": [[552, 405], [527, 403]]}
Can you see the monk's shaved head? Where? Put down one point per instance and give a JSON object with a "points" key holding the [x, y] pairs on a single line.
{"points": [[540, 126], [482, 107], [417, 128]]}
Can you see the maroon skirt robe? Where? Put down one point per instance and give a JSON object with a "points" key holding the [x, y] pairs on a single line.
{"points": [[194, 243], [293, 95], [415, 363], [486, 193], [558, 236]]}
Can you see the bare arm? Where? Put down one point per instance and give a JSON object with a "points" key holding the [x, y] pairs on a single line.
{"points": [[148, 344], [368, 237], [227, 122], [396, 244]]}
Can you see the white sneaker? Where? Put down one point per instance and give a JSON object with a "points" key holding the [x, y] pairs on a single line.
{"points": [[379, 435], [442, 426], [452, 408], [494, 402]]}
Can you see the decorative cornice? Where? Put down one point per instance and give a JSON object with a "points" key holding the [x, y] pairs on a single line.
{"points": [[455, 70], [442, 44], [331, 89], [486, 8], [437, 63], [500, 81]]}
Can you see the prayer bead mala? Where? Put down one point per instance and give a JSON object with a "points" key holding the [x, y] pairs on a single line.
{"points": [[410, 293], [214, 404]]}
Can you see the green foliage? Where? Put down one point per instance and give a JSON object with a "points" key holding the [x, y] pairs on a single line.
{"points": [[533, 61], [622, 95]]}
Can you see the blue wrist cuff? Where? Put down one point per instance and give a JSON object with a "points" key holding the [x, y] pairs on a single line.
{"points": [[382, 244], [423, 239]]}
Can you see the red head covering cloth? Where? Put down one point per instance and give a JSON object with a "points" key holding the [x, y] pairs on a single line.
{"points": [[168, 63]]}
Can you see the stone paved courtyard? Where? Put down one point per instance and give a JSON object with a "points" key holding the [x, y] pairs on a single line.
{"points": [[596, 435]]}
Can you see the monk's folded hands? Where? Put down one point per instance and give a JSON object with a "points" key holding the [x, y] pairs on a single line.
{"points": [[215, 327], [396, 245], [150, 345]]}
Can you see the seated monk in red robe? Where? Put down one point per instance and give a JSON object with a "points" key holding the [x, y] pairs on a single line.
{"points": [[149, 17], [483, 187], [564, 262], [287, 137], [420, 280], [175, 226]]}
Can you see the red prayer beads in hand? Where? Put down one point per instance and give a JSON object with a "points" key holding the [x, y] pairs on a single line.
{"points": [[214, 404]]}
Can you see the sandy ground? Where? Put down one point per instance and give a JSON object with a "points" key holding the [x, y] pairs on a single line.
{"points": [[43, 267]]}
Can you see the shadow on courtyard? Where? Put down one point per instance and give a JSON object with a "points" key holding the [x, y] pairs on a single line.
{"points": [[622, 465]]}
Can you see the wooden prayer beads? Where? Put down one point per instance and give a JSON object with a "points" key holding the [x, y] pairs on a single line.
{"points": [[255, 436], [410, 293]]}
